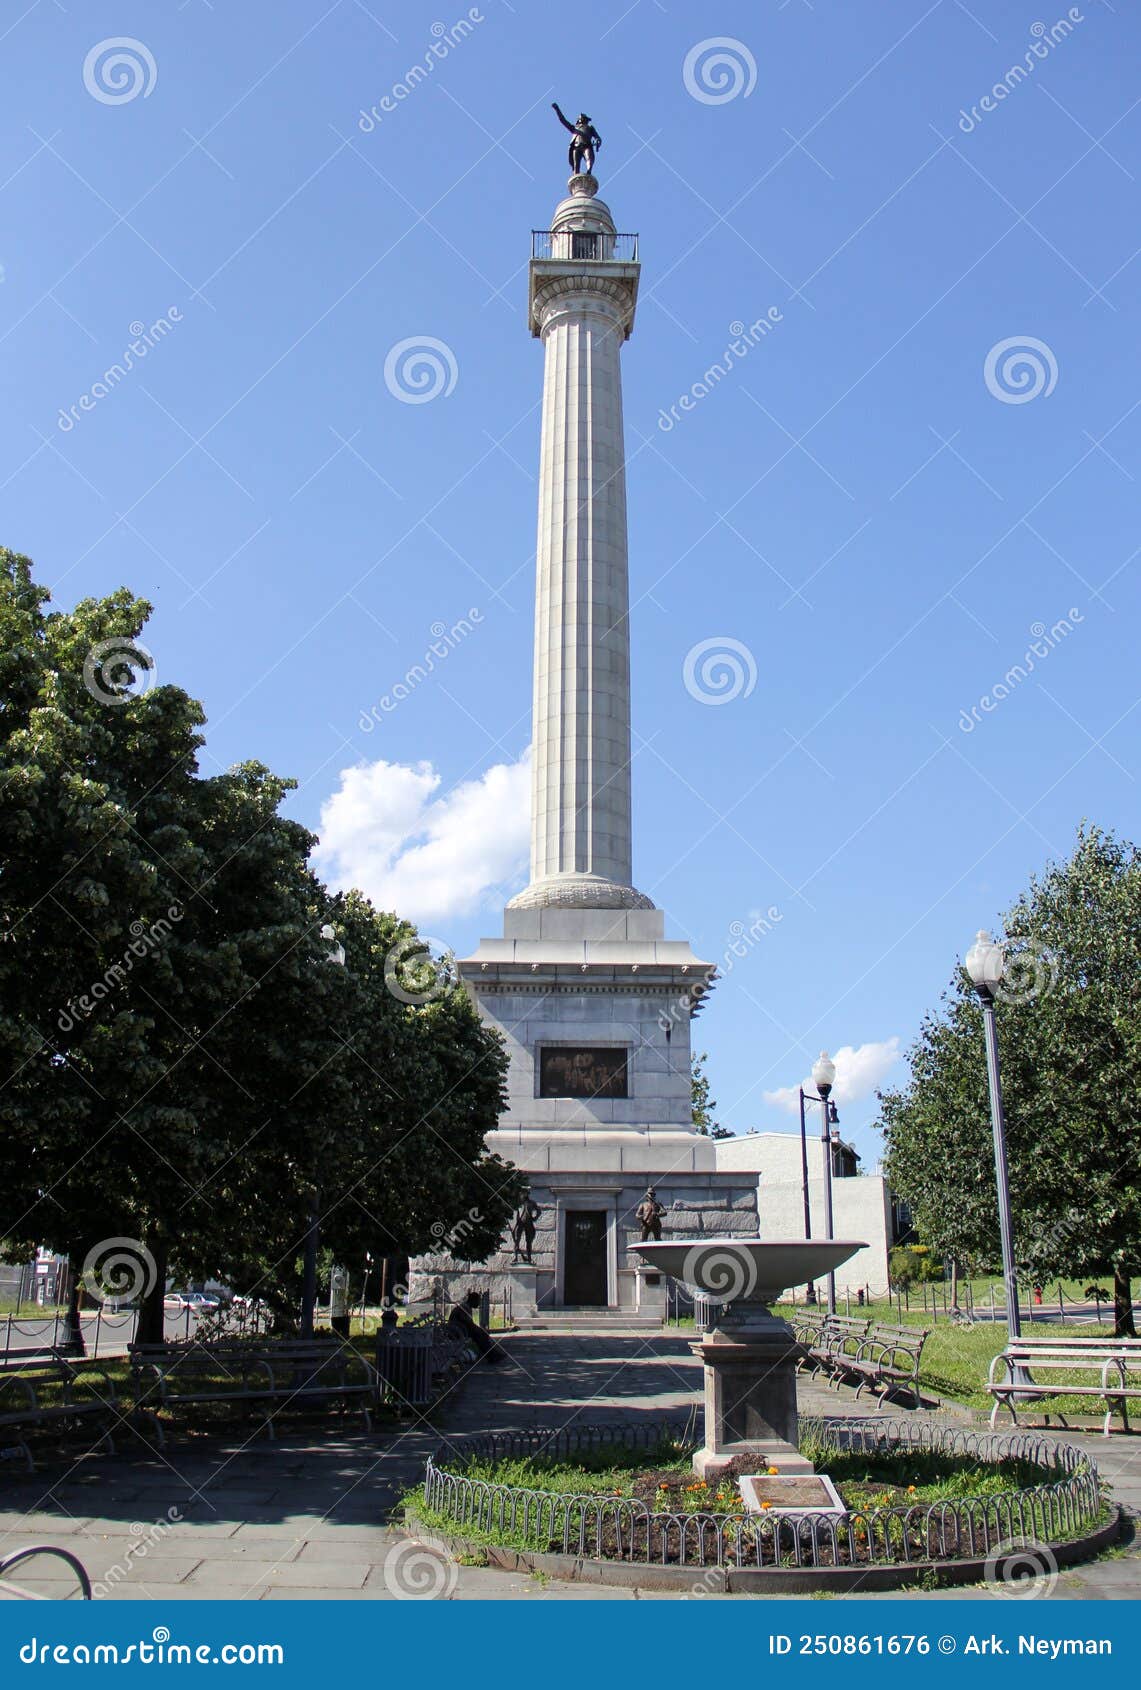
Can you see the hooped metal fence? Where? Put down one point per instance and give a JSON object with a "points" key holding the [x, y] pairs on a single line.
{"points": [[625, 1529]]}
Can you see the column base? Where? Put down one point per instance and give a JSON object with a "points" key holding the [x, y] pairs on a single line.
{"points": [[580, 892], [761, 1455]]}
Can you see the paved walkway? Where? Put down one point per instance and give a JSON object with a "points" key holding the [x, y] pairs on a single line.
{"points": [[302, 1517]]}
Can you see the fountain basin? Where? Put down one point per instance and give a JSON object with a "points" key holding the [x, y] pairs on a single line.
{"points": [[749, 1270]]}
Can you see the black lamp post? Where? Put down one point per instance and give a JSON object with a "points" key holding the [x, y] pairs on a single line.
{"points": [[824, 1078], [984, 964]]}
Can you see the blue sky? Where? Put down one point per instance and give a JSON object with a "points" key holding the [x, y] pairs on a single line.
{"points": [[881, 518]]}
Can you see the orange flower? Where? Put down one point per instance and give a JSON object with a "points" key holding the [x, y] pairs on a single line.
{"points": [[911, 1490], [766, 1505], [774, 1470]]}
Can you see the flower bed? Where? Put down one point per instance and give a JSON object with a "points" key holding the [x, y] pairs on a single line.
{"points": [[915, 1494]]}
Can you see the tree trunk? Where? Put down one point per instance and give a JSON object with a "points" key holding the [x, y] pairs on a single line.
{"points": [[72, 1344], [954, 1283], [1123, 1326], [151, 1328], [309, 1275]]}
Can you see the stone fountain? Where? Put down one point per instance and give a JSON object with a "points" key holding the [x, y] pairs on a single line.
{"points": [[751, 1355]]}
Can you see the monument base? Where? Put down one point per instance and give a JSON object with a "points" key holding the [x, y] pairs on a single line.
{"points": [[650, 1294], [522, 1278]]}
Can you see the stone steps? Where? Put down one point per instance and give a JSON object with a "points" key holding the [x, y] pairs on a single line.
{"points": [[588, 1320]]}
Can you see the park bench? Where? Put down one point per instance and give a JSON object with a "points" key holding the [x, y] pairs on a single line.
{"points": [[887, 1361], [1040, 1369], [43, 1392], [275, 1376], [840, 1339], [853, 1350], [808, 1329], [36, 1352], [829, 1341]]}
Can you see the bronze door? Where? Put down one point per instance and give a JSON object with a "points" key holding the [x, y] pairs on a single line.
{"points": [[584, 1266]]}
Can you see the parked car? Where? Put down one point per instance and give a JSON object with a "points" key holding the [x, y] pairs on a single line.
{"points": [[200, 1301]]}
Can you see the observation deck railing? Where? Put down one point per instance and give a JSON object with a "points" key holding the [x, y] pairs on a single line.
{"points": [[570, 245]]}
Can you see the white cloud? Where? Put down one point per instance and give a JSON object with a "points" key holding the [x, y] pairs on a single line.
{"points": [[386, 831], [860, 1069]]}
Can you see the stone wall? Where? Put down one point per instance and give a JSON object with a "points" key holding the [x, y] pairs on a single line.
{"points": [[696, 1206]]}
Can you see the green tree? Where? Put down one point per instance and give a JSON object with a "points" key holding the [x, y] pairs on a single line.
{"points": [[1069, 1027], [704, 1103], [180, 1062]]}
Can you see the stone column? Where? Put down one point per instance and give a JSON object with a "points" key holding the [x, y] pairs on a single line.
{"points": [[582, 307]]}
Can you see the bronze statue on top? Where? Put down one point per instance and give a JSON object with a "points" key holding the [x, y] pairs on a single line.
{"points": [[649, 1214], [585, 141]]}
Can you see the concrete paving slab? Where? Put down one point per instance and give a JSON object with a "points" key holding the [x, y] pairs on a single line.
{"points": [[370, 1552], [178, 1545], [317, 1593], [327, 1575], [36, 1524], [109, 1570], [157, 1591], [319, 1531]]}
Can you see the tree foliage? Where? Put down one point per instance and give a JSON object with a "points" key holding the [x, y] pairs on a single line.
{"points": [[180, 1061], [704, 1103], [1069, 1029]]}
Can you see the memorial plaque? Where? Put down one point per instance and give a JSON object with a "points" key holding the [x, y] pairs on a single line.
{"points": [[585, 1071], [790, 1493]]}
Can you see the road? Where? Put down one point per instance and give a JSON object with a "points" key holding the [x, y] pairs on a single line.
{"points": [[104, 1333]]}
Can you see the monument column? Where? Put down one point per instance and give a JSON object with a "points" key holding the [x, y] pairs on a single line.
{"points": [[591, 999], [583, 290]]}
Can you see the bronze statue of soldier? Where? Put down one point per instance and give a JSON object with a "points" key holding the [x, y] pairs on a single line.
{"points": [[523, 1228], [585, 141], [649, 1216]]}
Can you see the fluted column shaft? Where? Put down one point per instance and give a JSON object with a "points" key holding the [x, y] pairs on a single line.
{"points": [[581, 768]]}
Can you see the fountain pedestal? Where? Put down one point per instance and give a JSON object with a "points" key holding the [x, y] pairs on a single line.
{"points": [[750, 1396], [750, 1356]]}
